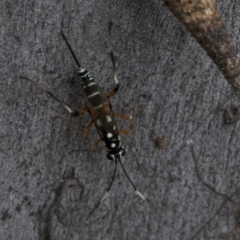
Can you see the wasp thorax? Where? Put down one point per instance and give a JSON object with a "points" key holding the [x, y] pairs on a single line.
{"points": [[112, 143]]}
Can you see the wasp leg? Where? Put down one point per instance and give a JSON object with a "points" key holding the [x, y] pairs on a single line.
{"points": [[132, 118], [87, 129], [128, 131], [75, 128], [115, 90], [79, 111], [134, 123], [122, 116], [94, 146], [129, 118], [125, 117], [74, 113], [70, 124]]}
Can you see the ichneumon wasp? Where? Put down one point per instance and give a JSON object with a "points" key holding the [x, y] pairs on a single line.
{"points": [[99, 107]]}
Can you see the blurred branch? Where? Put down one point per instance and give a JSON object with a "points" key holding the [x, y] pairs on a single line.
{"points": [[202, 20]]}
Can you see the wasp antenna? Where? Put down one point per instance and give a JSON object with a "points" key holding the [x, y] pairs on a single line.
{"points": [[137, 193], [129, 179], [105, 194], [111, 54], [70, 48]]}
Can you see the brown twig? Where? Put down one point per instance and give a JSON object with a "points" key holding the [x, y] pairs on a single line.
{"points": [[202, 20]]}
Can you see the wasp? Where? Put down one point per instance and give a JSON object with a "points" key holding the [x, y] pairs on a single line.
{"points": [[98, 105]]}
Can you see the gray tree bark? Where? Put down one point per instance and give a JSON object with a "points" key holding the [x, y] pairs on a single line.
{"points": [[46, 192]]}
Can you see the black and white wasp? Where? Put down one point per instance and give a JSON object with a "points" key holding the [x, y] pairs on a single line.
{"points": [[99, 107]]}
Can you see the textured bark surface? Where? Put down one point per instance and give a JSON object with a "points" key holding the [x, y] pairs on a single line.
{"points": [[46, 193], [203, 21]]}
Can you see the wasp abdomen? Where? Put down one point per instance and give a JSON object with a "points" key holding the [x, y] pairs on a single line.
{"points": [[90, 89]]}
